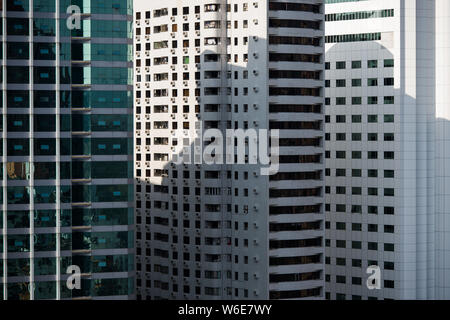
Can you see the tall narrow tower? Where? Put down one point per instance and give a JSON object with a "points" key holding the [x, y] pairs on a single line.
{"points": [[227, 231], [67, 194]]}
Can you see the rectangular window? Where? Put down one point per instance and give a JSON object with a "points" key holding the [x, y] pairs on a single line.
{"points": [[340, 65], [372, 82], [372, 64], [388, 81], [388, 63], [356, 82], [340, 83], [356, 100], [389, 100], [356, 64], [340, 101], [372, 100]]}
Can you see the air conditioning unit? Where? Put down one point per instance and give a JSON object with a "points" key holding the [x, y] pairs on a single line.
{"points": [[256, 72], [172, 18], [197, 16], [255, 55], [255, 38]]}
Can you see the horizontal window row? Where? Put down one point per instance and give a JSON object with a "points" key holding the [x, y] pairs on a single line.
{"points": [[353, 37], [358, 227], [77, 123], [74, 147], [357, 263], [358, 281], [357, 118], [69, 170], [357, 64], [70, 194], [371, 82], [342, 101], [186, 10], [389, 247], [371, 137], [386, 13], [74, 217], [75, 241], [387, 155], [89, 28], [121, 7], [339, 190], [342, 208], [357, 173]]}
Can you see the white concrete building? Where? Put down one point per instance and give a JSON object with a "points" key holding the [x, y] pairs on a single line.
{"points": [[387, 110], [225, 231]]}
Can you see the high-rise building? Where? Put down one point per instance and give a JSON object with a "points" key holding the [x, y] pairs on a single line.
{"points": [[386, 200], [67, 186], [227, 231]]}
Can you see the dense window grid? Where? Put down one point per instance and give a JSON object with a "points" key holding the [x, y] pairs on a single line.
{"points": [[161, 104], [53, 182]]}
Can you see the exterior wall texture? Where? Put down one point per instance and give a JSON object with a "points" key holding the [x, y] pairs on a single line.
{"points": [[386, 148]]}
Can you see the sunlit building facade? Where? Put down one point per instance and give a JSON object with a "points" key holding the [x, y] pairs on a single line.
{"points": [[226, 231]]}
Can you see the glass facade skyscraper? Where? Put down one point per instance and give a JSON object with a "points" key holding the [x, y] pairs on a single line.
{"points": [[66, 173]]}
